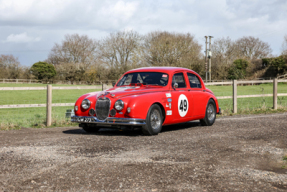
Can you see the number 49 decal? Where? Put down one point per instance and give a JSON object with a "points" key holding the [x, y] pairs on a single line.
{"points": [[182, 105]]}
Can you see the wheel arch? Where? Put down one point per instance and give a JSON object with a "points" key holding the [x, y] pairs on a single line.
{"points": [[215, 101], [162, 110]]}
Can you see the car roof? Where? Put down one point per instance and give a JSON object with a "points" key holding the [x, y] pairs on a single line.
{"points": [[160, 69]]}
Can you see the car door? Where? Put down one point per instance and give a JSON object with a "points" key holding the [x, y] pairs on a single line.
{"points": [[198, 95], [181, 99]]}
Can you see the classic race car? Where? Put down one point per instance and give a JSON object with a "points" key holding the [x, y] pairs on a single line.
{"points": [[148, 98]]}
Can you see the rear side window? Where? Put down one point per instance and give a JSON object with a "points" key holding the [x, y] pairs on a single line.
{"points": [[179, 79], [194, 82]]}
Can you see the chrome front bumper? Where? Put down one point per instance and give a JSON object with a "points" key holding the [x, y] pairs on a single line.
{"points": [[108, 121]]}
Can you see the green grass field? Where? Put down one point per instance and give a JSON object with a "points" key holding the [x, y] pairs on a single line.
{"points": [[36, 117]]}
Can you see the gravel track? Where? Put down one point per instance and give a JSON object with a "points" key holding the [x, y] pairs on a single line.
{"points": [[237, 153]]}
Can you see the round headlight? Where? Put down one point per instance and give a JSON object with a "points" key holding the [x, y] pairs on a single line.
{"points": [[119, 105], [86, 104]]}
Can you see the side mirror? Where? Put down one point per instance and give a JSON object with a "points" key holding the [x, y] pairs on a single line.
{"points": [[175, 85], [113, 83]]}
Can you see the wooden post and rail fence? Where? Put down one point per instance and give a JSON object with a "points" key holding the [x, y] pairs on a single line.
{"points": [[234, 96]]}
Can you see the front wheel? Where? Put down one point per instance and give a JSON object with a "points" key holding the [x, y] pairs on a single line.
{"points": [[210, 114], [90, 129], [153, 121]]}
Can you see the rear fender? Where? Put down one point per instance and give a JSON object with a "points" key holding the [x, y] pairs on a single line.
{"points": [[215, 101]]}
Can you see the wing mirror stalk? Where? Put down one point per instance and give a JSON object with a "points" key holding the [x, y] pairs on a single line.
{"points": [[175, 85]]}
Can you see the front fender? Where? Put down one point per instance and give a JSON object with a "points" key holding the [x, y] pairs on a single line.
{"points": [[85, 112], [140, 104]]}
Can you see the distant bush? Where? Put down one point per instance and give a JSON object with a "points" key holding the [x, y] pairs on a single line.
{"points": [[238, 69], [276, 65], [43, 70]]}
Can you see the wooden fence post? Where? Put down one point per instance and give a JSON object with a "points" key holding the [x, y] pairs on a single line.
{"points": [[49, 105], [234, 96], [275, 83]]}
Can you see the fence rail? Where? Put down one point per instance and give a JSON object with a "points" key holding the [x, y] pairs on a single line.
{"points": [[35, 105], [29, 81], [247, 96], [103, 87], [20, 81], [213, 82], [246, 82]]}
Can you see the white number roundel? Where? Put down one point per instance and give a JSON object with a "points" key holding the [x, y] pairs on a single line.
{"points": [[182, 105]]}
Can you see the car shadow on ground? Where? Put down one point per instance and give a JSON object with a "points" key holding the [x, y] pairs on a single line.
{"points": [[134, 132]]}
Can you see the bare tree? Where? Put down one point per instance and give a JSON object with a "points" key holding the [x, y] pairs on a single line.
{"points": [[252, 48], [223, 55], [74, 49], [119, 51], [225, 52], [10, 67], [172, 49]]}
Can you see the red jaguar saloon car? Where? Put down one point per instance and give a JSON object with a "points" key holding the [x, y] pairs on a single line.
{"points": [[148, 98]]}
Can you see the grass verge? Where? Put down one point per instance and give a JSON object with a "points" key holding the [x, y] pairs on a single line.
{"points": [[35, 117]]}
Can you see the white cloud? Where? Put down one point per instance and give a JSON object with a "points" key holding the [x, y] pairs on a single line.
{"points": [[21, 38]]}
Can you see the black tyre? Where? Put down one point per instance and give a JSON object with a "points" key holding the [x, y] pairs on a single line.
{"points": [[210, 114], [90, 129], [153, 121]]}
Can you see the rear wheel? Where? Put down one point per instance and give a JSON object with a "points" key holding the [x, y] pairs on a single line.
{"points": [[153, 121], [210, 114]]}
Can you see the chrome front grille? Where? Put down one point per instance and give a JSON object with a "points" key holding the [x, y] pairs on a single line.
{"points": [[103, 108]]}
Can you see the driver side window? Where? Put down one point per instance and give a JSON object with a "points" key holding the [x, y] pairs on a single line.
{"points": [[179, 79]]}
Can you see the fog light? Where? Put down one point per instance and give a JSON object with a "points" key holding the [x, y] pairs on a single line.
{"points": [[92, 112], [128, 109], [113, 112], [76, 108]]}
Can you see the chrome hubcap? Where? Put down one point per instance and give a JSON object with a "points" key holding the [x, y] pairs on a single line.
{"points": [[155, 119], [210, 112]]}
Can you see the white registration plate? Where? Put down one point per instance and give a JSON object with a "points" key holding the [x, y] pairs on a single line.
{"points": [[84, 119]]}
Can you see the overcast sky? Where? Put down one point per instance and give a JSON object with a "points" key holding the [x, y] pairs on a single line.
{"points": [[30, 28]]}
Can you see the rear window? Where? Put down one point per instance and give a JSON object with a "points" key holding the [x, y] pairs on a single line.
{"points": [[194, 82]]}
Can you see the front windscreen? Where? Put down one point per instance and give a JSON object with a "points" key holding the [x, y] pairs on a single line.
{"points": [[145, 78]]}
